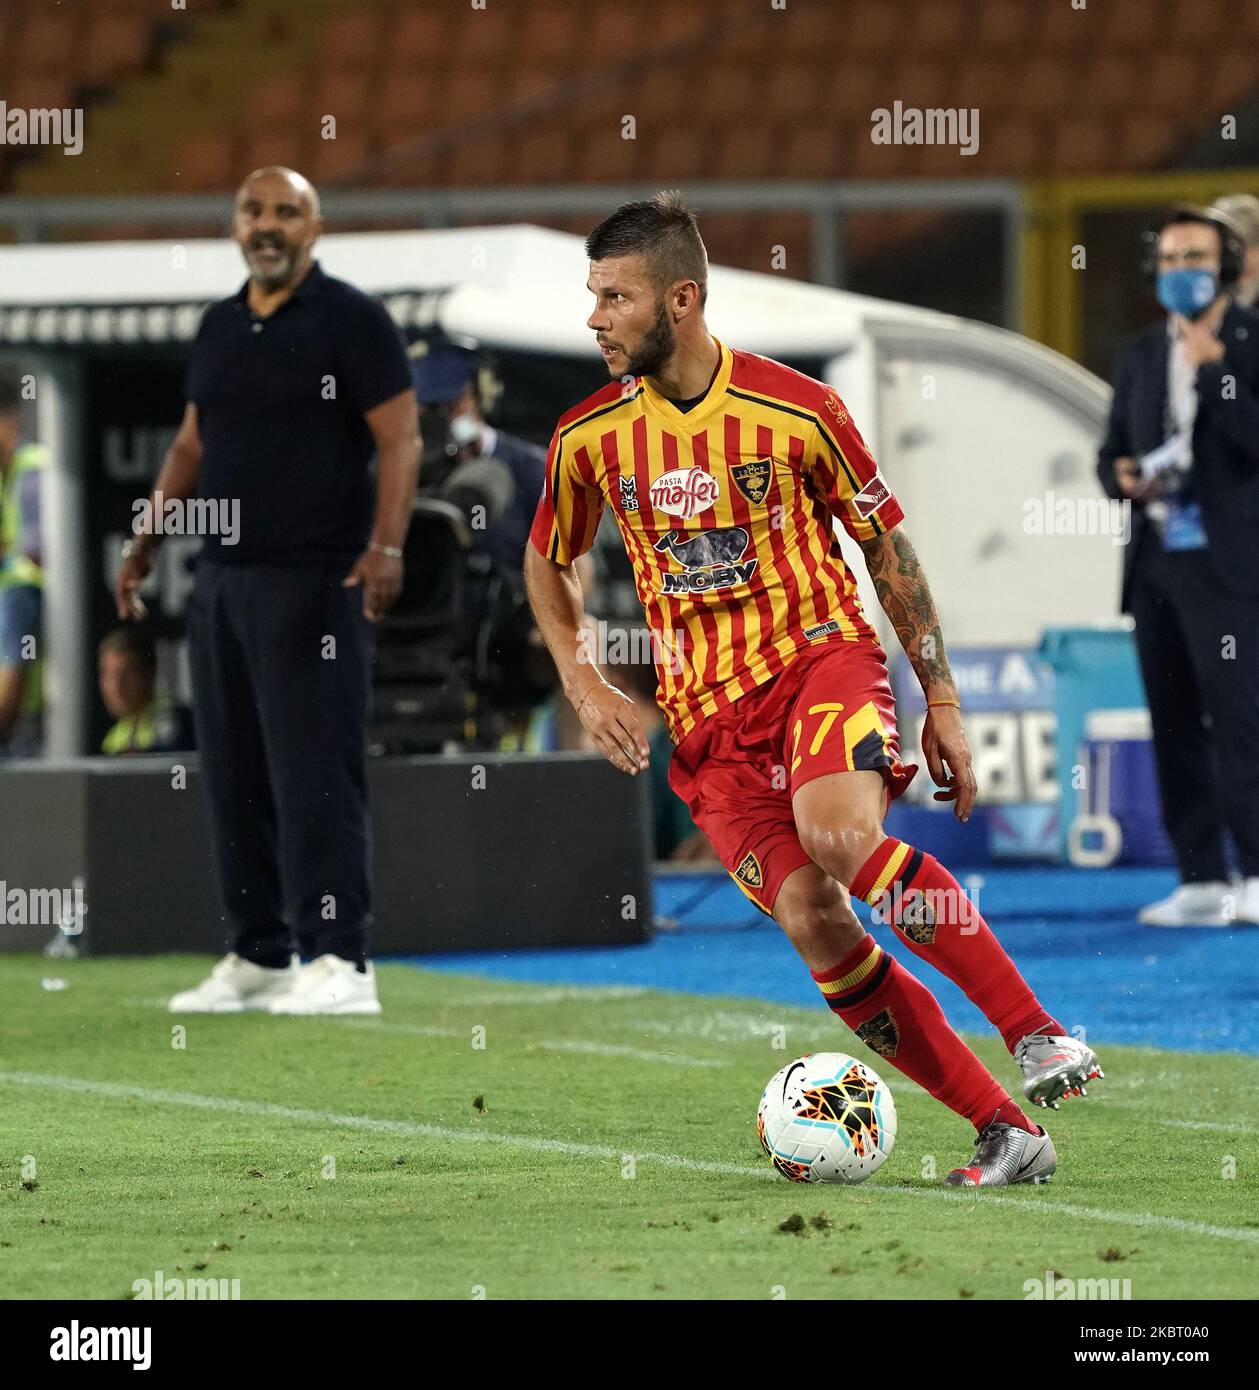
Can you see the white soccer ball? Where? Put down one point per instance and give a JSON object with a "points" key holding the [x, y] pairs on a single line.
{"points": [[827, 1118]]}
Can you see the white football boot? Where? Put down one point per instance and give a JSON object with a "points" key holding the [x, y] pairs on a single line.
{"points": [[1055, 1067], [1246, 903], [235, 986], [1191, 905], [330, 985]]}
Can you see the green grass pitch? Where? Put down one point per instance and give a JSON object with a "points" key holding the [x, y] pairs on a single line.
{"points": [[587, 1144]]}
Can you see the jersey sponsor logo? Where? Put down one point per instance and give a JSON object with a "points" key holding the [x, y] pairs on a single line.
{"points": [[832, 403], [821, 630], [871, 497], [749, 871], [684, 492], [752, 479], [880, 1033], [629, 494], [711, 559]]}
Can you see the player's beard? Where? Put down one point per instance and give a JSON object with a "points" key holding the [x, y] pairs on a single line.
{"points": [[658, 345]]}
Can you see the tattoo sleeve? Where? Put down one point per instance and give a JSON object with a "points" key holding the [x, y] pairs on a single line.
{"points": [[902, 589]]}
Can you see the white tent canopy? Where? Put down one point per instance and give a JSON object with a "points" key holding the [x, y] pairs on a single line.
{"points": [[514, 287]]}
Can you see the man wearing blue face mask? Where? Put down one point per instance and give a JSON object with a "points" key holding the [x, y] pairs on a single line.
{"points": [[1182, 446]]}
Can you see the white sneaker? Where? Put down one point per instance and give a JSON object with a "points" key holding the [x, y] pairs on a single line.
{"points": [[1246, 903], [1192, 905], [235, 985], [330, 985]]}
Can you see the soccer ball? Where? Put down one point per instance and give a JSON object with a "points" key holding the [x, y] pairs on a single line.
{"points": [[826, 1118]]}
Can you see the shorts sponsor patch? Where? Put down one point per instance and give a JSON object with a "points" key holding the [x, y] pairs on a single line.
{"points": [[749, 871]]}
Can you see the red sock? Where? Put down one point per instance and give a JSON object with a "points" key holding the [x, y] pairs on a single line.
{"points": [[897, 1017], [939, 923]]}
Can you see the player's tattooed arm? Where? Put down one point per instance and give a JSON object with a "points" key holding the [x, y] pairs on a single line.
{"points": [[902, 588]]}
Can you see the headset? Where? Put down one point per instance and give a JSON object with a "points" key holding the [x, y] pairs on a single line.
{"points": [[1232, 244]]}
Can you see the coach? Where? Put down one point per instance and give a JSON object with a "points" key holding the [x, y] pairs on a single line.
{"points": [[1182, 446], [294, 383]]}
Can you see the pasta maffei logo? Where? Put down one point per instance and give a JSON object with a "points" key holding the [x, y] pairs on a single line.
{"points": [[684, 492]]}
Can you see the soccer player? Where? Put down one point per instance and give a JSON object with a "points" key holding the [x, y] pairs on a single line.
{"points": [[724, 472]]}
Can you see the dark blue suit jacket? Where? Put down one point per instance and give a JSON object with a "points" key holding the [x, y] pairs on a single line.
{"points": [[507, 538], [1225, 445]]}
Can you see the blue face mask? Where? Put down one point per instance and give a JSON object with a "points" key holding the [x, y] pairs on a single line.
{"points": [[1186, 292]]}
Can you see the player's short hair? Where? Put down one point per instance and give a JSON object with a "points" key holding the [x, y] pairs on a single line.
{"points": [[133, 642], [10, 388], [662, 230]]}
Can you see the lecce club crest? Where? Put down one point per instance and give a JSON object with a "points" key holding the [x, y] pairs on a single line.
{"points": [[750, 871], [752, 479]]}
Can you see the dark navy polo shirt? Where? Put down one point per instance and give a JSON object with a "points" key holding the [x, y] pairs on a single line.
{"points": [[280, 405]]}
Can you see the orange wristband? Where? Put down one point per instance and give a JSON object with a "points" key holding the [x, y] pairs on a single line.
{"points": [[952, 704]]}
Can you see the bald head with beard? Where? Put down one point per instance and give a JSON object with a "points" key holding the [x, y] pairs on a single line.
{"points": [[276, 224]]}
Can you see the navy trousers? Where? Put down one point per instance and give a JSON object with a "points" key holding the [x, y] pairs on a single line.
{"points": [[1199, 650], [281, 666]]}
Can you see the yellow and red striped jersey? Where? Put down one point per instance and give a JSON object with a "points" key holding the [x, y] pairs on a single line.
{"points": [[726, 510]]}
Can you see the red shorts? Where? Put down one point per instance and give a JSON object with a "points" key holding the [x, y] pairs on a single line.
{"points": [[830, 711]]}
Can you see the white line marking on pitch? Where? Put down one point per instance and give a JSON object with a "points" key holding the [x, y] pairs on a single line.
{"points": [[581, 1045], [231, 1105], [587, 1046], [561, 994], [1220, 1126], [599, 1049], [1144, 1220], [726, 1029]]}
